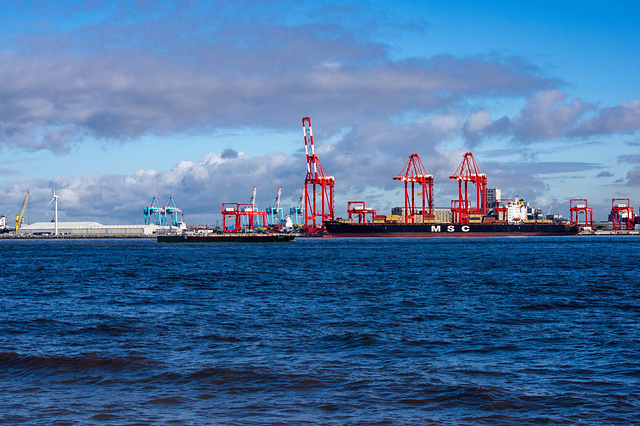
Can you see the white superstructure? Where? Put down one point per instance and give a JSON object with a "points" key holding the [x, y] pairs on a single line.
{"points": [[516, 211]]}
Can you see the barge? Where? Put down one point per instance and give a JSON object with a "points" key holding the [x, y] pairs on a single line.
{"points": [[225, 238]]}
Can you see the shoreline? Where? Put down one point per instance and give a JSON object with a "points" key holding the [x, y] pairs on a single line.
{"points": [[10, 236]]}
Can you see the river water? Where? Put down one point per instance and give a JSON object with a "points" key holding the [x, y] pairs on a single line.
{"points": [[330, 331]]}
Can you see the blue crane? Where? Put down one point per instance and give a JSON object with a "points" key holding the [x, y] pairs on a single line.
{"points": [[297, 213], [152, 211], [171, 211], [275, 214]]}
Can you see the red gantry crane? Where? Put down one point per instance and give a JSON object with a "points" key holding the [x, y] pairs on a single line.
{"points": [[245, 216], [622, 216], [319, 187], [360, 211], [238, 211], [468, 172], [414, 172], [578, 206]]}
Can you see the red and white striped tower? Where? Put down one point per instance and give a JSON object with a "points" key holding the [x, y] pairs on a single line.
{"points": [[319, 187], [414, 172], [468, 172]]}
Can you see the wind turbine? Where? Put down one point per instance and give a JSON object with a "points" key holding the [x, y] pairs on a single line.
{"points": [[55, 209]]}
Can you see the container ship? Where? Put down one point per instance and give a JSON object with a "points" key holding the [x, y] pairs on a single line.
{"points": [[505, 222], [349, 229]]}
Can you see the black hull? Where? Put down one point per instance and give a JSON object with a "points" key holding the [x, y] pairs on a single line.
{"points": [[226, 238], [341, 229]]}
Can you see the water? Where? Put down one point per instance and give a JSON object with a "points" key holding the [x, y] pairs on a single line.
{"points": [[343, 331]]}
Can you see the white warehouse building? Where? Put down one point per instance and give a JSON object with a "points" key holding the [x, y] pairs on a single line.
{"points": [[93, 228]]}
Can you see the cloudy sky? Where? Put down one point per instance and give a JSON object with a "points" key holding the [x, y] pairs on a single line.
{"points": [[116, 102]]}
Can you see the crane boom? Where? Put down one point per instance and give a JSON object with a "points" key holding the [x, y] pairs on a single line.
{"points": [[276, 203], [21, 214], [253, 198]]}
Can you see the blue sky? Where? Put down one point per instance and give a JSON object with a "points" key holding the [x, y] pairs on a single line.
{"points": [[116, 102]]}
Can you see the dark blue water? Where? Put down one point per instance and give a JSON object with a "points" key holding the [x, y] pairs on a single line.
{"points": [[342, 331]]}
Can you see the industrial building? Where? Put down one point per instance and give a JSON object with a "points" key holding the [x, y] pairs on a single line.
{"points": [[493, 195], [92, 228]]}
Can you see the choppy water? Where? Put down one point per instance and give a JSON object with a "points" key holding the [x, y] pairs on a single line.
{"points": [[363, 331]]}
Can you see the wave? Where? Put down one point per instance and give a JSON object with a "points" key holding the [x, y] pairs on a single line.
{"points": [[219, 338], [15, 363], [350, 340], [168, 400]]}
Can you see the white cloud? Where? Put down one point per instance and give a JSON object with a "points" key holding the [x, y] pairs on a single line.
{"points": [[119, 81], [546, 116], [477, 122], [622, 118]]}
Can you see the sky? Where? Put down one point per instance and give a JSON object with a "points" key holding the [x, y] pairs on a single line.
{"points": [[112, 103]]}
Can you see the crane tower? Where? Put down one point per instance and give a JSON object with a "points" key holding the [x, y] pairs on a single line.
{"points": [[622, 216], [171, 213], [319, 187], [152, 212], [20, 216], [468, 172], [274, 213], [360, 211], [297, 212], [578, 206], [414, 172], [253, 197]]}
